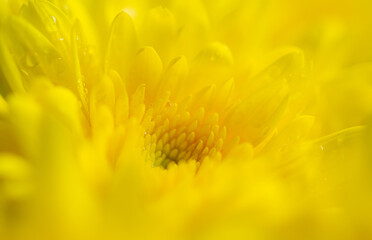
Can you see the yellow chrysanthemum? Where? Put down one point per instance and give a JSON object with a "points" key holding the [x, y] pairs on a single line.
{"points": [[185, 119]]}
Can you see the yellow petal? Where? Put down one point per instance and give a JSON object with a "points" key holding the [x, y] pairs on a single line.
{"points": [[202, 98], [213, 65], [104, 94], [147, 69], [15, 173], [175, 78], [33, 52], [287, 63], [55, 25], [257, 116], [121, 98], [122, 44], [9, 68], [292, 135], [137, 106], [24, 109], [79, 80], [223, 95], [62, 104], [160, 32]]}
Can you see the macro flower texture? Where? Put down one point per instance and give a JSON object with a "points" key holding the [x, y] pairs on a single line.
{"points": [[175, 119]]}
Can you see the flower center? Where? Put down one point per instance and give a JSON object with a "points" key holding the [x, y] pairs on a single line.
{"points": [[174, 135]]}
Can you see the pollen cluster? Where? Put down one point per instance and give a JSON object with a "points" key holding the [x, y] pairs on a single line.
{"points": [[174, 134]]}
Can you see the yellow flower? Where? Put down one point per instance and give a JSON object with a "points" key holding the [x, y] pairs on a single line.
{"points": [[185, 119]]}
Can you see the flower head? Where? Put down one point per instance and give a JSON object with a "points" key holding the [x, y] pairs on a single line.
{"points": [[185, 119]]}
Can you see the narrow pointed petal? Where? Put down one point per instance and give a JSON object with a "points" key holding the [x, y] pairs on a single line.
{"points": [[80, 81], [256, 117], [147, 69], [9, 68], [213, 65], [122, 44], [175, 77], [160, 31], [288, 64], [32, 51]]}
